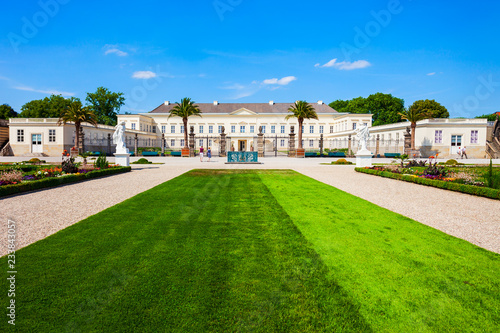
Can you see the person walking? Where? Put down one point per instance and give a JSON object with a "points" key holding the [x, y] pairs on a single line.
{"points": [[464, 153], [459, 152], [201, 153], [209, 154]]}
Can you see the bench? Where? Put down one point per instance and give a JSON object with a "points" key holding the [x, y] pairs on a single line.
{"points": [[176, 153], [150, 153], [310, 154], [392, 155], [336, 154]]}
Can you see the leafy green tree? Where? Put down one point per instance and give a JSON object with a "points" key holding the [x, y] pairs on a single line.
{"points": [[6, 112], [432, 108], [49, 107], [105, 104], [301, 110], [185, 109], [77, 114], [385, 108], [357, 105], [490, 117], [339, 105], [414, 114]]}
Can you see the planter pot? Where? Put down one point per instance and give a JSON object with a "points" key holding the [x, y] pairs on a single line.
{"points": [[185, 152], [300, 153]]}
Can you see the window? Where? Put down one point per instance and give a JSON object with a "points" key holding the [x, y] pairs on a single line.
{"points": [[233, 129], [354, 126], [282, 143], [133, 126], [172, 129], [210, 142], [302, 129], [252, 128], [311, 143], [201, 142], [201, 128], [182, 142], [311, 129], [331, 129], [474, 136], [456, 140], [321, 129], [52, 135], [154, 129], [20, 135], [219, 129], [140, 126], [365, 124], [182, 128], [273, 129], [210, 129], [264, 129], [172, 142], [242, 129], [163, 128], [282, 129], [438, 136]]}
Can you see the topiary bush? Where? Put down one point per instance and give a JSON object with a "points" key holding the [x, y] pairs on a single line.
{"points": [[451, 162], [341, 161], [142, 161]]}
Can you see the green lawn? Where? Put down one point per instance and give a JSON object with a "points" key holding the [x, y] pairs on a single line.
{"points": [[253, 251]]}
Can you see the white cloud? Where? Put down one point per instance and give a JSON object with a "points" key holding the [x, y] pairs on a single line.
{"points": [[345, 65], [282, 82], [431, 74], [4, 78], [113, 49], [143, 75], [50, 92]]}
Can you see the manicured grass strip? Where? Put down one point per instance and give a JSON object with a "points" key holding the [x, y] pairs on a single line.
{"points": [[405, 276], [468, 189], [56, 181], [209, 251]]}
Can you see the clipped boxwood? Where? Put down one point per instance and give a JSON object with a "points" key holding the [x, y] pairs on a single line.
{"points": [[56, 181], [468, 189]]}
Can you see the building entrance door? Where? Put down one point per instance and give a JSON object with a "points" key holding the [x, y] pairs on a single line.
{"points": [[36, 143], [456, 141], [242, 145]]}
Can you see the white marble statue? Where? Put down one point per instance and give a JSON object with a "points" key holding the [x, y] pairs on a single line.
{"points": [[363, 135], [119, 138]]}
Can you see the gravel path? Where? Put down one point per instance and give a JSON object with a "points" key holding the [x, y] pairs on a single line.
{"points": [[42, 213]]}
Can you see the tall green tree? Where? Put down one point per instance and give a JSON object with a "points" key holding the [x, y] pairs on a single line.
{"points": [[185, 109], [49, 107], [6, 112], [490, 117], [105, 105], [385, 108], [432, 108], [339, 105], [301, 110], [77, 114], [414, 114], [357, 105]]}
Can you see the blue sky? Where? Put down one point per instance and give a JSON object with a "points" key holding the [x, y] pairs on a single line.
{"points": [[253, 51]]}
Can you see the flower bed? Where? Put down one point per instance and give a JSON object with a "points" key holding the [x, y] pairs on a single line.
{"points": [[447, 183], [39, 181]]}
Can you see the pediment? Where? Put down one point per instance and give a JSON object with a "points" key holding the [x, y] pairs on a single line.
{"points": [[243, 112]]}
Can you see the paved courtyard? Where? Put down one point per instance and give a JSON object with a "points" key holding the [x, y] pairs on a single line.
{"points": [[42, 213]]}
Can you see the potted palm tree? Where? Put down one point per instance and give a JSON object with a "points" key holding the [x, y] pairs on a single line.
{"points": [[185, 109], [414, 114], [301, 110], [77, 114]]}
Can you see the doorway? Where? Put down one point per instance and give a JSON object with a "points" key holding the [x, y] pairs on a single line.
{"points": [[242, 145], [456, 141], [36, 143]]}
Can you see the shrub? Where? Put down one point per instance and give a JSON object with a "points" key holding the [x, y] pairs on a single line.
{"points": [[69, 165], [35, 160], [10, 177], [142, 161], [435, 171], [102, 162], [341, 161], [415, 163], [491, 179], [451, 162]]}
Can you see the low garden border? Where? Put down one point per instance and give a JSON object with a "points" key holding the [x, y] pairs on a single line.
{"points": [[463, 188], [56, 181]]}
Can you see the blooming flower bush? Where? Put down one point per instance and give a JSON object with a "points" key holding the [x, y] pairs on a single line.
{"points": [[10, 177]]}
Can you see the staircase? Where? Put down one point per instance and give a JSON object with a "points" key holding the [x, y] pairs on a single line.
{"points": [[6, 150], [493, 148]]}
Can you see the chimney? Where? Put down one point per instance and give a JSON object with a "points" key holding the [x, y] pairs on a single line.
{"points": [[271, 102], [216, 102], [320, 103], [167, 103]]}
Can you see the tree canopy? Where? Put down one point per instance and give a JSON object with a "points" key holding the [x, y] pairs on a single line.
{"points": [[105, 105], [77, 114], [384, 107], [49, 107], [301, 110], [6, 112], [185, 109], [431, 108], [490, 117]]}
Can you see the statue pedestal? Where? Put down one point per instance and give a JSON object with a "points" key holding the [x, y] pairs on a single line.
{"points": [[364, 158], [122, 159]]}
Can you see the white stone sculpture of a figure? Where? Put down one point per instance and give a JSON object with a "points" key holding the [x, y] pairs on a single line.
{"points": [[119, 138], [363, 135]]}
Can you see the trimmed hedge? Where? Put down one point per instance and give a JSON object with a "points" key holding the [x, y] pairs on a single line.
{"points": [[468, 189], [56, 181]]}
